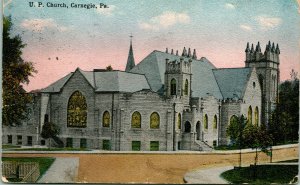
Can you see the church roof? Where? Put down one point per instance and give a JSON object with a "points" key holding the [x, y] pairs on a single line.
{"points": [[105, 81], [203, 79], [232, 81]]}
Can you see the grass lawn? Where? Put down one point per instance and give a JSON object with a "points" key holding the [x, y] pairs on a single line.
{"points": [[44, 162], [10, 146], [265, 174]]}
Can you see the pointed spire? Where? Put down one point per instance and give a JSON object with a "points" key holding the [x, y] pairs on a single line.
{"points": [[184, 52], [172, 52], [247, 48], [277, 50], [176, 52], [258, 49], [252, 49], [267, 48], [130, 60], [189, 53], [194, 55], [273, 47], [167, 50]]}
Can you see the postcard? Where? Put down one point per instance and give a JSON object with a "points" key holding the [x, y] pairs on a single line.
{"points": [[167, 92]]}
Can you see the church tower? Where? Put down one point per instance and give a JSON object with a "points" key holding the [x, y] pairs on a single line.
{"points": [[178, 77], [130, 61], [267, 67]]}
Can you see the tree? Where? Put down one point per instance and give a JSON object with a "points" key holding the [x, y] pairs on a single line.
{"points": [[283, 124], [109, 68], [235, 128], [257, 137], [16, 72], [50, 130]]}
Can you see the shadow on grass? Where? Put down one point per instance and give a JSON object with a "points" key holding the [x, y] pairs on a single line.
{"points": [[265, 174]]}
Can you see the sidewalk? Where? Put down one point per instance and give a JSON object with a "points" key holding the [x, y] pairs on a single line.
{"points": [[207, 176], [63, 170]]}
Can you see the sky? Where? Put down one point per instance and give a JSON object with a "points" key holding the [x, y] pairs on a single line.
{"points": [[58, 40]]}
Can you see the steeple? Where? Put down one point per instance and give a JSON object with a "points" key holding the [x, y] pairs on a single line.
{"points": [[130, 61]]}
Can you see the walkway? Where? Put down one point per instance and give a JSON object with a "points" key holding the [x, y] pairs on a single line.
{"points": [[207, 176], [63, 170]]}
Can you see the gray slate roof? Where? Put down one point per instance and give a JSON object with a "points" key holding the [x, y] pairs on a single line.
{"points": [[203, 79], [108, 81], [232, 81]]}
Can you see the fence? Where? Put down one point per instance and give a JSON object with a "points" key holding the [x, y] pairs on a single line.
{"points": [[27, 171]]}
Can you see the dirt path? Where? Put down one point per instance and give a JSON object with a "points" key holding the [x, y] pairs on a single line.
{"points": [[156, 168]]}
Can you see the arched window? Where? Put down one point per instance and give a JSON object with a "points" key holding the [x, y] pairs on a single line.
{"points": [[173, 87], [250, 115], [205, 121], [215, 124], [77, 110], [154, 120], [106, 119], [186, 87], [256, 114], [179, 121], [136, 120], [187, 127], [198, 129]]}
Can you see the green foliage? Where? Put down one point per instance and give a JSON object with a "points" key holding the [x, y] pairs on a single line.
{"points": [[284, 122], [265, 174], [49, 130], [109, 68], [15, 73], [235, 128]]}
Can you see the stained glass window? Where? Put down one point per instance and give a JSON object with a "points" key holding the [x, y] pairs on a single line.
{"points": [[250, 115], [136, 120], [154, 120], [215, 125], [106, 119], [179, 121], [256, 116], [205, 122], [173, 87], [77, 110], [186, 87]]}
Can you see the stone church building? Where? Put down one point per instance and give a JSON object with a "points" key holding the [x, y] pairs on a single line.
{"points": [[167, 102]]}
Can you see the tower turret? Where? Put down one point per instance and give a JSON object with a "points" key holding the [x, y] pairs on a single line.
{"points": [[267, 68], [184, 53], [194, 55], [178, 79], [189, 53]]}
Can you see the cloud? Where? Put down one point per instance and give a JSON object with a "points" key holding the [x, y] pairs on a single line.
{"points": [[267, 22], [106, 11], [229, 6], [246, 27], [165, 20], [39, 25], [6, 3]]}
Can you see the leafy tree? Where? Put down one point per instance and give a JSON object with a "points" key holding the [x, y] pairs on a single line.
{"points": [[16, 72], [235, 128], [109, 68], [283, 124], [50, 130], [257, 137]]}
